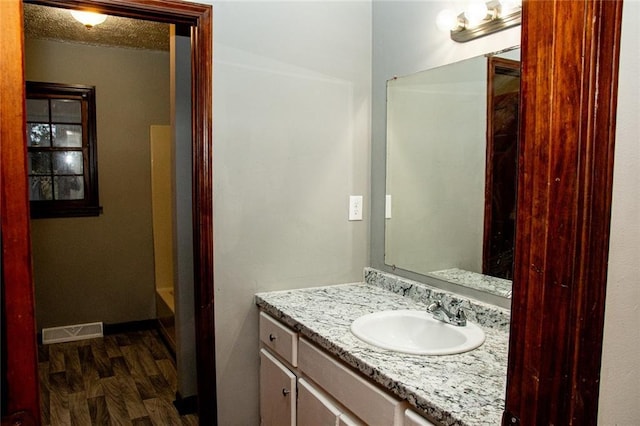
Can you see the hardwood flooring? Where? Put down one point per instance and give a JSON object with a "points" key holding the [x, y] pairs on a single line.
{"points": [[121, 379]]}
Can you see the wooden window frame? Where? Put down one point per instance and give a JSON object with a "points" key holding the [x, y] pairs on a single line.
{"points": [[89, 205]]}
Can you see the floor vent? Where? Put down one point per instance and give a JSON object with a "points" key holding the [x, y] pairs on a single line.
{"points": [[70, 333]]}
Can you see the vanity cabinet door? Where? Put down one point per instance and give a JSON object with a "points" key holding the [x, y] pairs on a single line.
{"points": [[314, 409], [413, 419], [277, 392], [346, 420]]}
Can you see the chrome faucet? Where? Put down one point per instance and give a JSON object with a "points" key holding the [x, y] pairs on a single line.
{"points": [[455, 316]]}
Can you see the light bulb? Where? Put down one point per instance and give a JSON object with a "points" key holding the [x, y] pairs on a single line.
{"points": [[447, 20], [476, 12], [88, 19]]}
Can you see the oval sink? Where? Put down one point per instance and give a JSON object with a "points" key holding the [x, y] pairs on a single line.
{"points": [[416, 332]]}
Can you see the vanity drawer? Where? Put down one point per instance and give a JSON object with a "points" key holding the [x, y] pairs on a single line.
{"points": [[280, 339], [366, 401]]}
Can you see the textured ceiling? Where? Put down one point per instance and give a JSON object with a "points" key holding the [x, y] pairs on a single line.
{"points": [[58, 24]]}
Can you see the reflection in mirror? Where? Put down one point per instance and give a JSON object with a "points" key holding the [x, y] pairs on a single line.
{"points": [[503, 101], [451, 169]]}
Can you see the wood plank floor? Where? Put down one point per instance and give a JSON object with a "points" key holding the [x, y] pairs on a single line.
{"points": [[121, 379]]}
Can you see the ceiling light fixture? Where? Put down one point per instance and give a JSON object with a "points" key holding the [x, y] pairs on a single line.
{"points": [[88, 19], [480, 19]]}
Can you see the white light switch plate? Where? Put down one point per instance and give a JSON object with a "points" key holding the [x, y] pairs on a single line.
{"points": [[387, 207], [355, 207]]}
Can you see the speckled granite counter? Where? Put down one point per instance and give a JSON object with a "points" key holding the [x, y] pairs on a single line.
{"points": [[482, 282], [463, 389]]}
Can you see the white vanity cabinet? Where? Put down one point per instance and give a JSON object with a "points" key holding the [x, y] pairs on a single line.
{"points": [[302, 385], [314, 408], [277, 392], [412, 418]]}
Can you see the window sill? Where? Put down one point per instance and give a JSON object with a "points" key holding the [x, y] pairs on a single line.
{"points": [[41, 213]]}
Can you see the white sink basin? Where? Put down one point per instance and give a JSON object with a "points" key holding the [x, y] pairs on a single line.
{"points": [[416, 332]]}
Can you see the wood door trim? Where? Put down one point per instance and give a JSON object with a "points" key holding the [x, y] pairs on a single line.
{"points": [[199, 17], [570, 56], [493, 62], [19, 329]]}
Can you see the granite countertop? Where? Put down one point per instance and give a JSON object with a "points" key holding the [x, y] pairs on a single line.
{"points": [[462, 389], [494, 285]]}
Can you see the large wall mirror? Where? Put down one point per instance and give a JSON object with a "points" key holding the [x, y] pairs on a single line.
{"points": [[452, 139]]}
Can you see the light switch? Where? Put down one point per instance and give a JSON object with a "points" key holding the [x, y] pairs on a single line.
{"points": [[387, 206], [355, 207]]}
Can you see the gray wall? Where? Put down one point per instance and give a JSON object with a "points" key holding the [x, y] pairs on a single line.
{"points": [[291, 139], [620, 377], [101, 268]]}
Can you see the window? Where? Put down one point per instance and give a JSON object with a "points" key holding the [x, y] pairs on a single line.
{"points": [[61, 146]]}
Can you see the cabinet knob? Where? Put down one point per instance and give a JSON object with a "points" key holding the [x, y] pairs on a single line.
{"points": [[272, 337], [285, 391]]}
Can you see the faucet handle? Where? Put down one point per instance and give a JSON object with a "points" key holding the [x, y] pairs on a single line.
{"points": [[460, 315], [457, 304], [453, 315], [434, 305], [460, 307], [457, 310]]}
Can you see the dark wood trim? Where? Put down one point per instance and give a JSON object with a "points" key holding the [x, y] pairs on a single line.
{"points": [[21, 418], [569, 89], [17, 280], [188, 405], [201, 95], [199, 17], [169, 11], [510, 67]]}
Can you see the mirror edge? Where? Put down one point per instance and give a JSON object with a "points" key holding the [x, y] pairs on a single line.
{"points": [[377, 259]]}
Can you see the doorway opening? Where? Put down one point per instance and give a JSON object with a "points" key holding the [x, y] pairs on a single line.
{"points": [[198, 19]]}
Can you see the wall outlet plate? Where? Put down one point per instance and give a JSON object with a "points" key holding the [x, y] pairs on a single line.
{"points": [[355, 207]]}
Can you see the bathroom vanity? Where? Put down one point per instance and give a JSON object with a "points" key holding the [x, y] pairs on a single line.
{"points": [[315, 371]]}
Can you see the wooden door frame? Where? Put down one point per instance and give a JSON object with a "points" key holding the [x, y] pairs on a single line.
{"points": [[493, 62], [16, 261], [570, 52], [18, 322]]}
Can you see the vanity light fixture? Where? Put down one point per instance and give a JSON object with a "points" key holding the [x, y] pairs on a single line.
{"points": [[88, 19], [480, 18]]}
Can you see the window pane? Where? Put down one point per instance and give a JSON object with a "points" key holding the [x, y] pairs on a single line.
{"points": [[66, 111], [38, 110], [38, 134], [67, 135], [39, 163], [67, 163], [61, 139], [69, 187], [40, 188]]}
